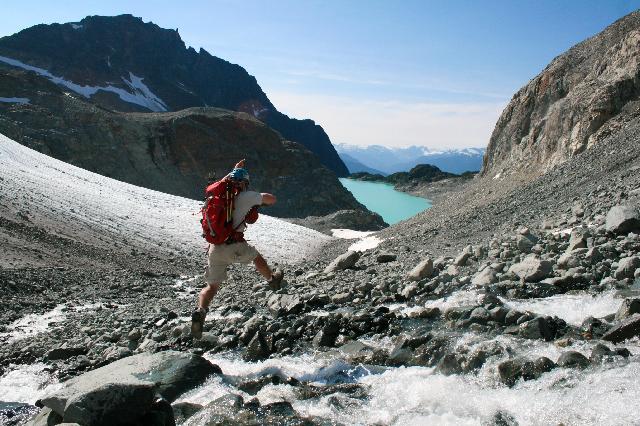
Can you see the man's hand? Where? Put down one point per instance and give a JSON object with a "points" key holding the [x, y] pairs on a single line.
{"points": [[240, 164], [268, 199]]}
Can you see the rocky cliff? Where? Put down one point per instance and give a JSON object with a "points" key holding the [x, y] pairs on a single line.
{"points": [[172, 152], [581, 97], [125, 64]]}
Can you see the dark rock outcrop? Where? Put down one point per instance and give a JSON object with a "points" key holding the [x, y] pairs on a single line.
{"points": [[126, 53]]}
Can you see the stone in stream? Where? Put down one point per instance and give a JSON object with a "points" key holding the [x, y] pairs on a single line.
{"points": [[284, 304], [628, 308], [512, 370], [344, 261], [327, 335], [537, 328], [623, 219], [126, 390], [258, 348], [624, 330], [573, 359], [532, 269], [424, 269], [627, 267]]}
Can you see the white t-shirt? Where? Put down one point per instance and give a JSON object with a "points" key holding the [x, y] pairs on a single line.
{"points": [[243, 203]]}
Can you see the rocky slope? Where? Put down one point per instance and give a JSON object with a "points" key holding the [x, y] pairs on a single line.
{"points": [[173, 152], [125, 64], [581, 97]]}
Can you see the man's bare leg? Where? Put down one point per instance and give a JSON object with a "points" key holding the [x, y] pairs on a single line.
{"points": [[262, 267], [273, 278], [207, 294]]}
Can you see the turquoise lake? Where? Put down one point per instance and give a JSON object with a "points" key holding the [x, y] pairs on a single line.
{"points": [[381, 198]]}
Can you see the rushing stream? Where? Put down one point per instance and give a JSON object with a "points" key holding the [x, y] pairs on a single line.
{"points": [[604, 394]]}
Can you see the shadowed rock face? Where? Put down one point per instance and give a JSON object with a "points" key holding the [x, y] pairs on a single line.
{"points": [[581, 97], [172, 152], [113, 51]]}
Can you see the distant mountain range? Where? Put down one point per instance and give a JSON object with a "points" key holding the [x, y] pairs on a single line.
{"points": [[386, 160]]}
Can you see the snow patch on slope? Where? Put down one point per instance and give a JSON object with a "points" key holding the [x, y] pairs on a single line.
{"points": [[74, 202], [141, 95]]}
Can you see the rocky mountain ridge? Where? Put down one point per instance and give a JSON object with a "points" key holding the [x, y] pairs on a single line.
{"points": [[125, 64], [582, 97], [172, 152]]}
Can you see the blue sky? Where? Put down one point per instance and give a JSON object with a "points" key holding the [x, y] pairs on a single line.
{"points": [[397, 73]]}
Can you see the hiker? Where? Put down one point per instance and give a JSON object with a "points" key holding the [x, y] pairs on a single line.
{"points": [[230, 246]]}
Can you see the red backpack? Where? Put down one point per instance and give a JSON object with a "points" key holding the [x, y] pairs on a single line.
{"points": [[217, 212]]}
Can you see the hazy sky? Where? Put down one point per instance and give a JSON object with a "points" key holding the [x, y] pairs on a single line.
{"points": [[396, 73]]}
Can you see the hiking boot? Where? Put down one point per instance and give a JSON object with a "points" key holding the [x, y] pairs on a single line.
{"points": [[276, 280], [197, 322]]}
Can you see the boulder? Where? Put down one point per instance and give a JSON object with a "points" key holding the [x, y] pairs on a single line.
{"points": [[64, 353], [537, 328], [578, 239], [512, 370], [627, 329], [623, 219], [462, 258], [257, 349], [422, 270], [327, 335], [628, 308], [385, 257], [627, 267], [284, 304], [344, 261], [525, 242], [126, 389], [573, 359], [532, 269], [485, 277]]}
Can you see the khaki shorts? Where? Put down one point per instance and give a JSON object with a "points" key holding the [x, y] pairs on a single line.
{"points": [[224, 255]]}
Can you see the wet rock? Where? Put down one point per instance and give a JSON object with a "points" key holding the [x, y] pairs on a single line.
{"points": [[327, 335], [422, 270], [593, 328], [354, 390], [345, 261], [64, 353], [431, 352], [501, 418], [45, 417], [425, 313], [512, 370], [250, 328], [449, 364], [627, 267], [601, 352], [385, 257], [623, 219], [628, 308], [253, 386], [257, 349], [573, 359], [184, 410], [537, 328], [127, 389], [342, 298], [532, 269], [628, 328], [480, 315]]}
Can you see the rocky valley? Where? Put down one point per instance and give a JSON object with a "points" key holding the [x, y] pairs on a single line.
{"points": [[514, 300]]}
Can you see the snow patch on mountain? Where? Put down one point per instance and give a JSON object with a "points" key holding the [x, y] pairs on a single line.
{"points": [[141, 95], [73, 202]]}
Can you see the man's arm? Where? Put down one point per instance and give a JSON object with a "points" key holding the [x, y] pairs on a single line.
{"points": [[268, 199]]}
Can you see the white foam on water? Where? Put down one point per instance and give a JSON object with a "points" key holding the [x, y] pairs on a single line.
{"points": [[350, 234], [455, 299], [573, 308], [26, 383], [33, 324]]}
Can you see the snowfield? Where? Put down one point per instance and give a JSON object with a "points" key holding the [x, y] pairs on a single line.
{"points": [[75, 203]]}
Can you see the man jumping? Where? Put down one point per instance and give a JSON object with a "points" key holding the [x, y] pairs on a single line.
{"points": [[235, 249]]}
